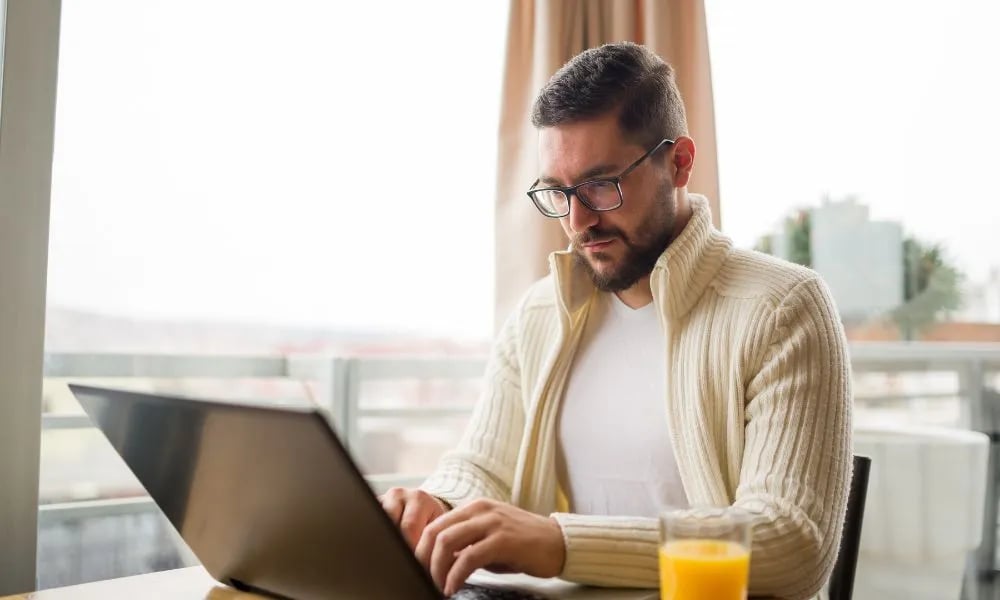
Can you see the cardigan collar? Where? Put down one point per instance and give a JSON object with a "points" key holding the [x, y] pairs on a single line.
{"points": [[679, 278]]}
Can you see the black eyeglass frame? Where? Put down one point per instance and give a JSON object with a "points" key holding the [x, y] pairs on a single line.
{"points": [[571, 191]]}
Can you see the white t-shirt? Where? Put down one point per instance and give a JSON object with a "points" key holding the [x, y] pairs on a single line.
{"points": [[614, 451]]}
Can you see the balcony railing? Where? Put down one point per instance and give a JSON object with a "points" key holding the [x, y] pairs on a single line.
{"points": [[340, 381]]}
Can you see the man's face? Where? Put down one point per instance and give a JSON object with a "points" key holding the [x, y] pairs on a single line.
{"points": [[621, 246]]}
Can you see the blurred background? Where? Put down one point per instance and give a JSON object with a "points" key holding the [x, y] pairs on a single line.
{"points": [[304, 202]]}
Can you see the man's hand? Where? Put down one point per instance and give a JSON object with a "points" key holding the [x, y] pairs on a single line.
{"points": [[491, 534], [411, 511]]}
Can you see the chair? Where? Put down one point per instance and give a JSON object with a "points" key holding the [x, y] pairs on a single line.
{"points": [[841, 584]]}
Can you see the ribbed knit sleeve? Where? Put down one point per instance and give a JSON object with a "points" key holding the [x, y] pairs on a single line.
{"points": [[794, 473], [610, 551], [482, 466], [797, 464]]}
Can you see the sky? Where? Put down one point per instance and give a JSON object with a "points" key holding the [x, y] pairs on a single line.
{"points": [[333, 164], [329, 164]]}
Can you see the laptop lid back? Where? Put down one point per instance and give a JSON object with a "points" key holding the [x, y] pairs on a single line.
{"points": [[267, 498]]}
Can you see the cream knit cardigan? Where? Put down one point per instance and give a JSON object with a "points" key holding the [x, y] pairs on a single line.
{"points": [[758, 407]]}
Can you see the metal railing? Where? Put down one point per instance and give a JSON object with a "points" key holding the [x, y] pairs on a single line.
{"points": [[971, 363], [340, 381]]}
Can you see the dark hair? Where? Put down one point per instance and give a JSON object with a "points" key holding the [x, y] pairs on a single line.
{"points": [[625, 77]]}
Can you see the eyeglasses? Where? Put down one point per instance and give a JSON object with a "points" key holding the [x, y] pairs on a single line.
{"points": [[597, 194]]}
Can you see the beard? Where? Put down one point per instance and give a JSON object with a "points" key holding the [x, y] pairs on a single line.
{"points": [[642, 248]]}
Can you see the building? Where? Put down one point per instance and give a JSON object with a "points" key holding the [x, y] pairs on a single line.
{"points": [[860, 259]]}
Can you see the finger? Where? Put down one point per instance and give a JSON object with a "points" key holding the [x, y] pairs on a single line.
{"points": [[475, 556], [427, 539], [415, 517], [393, 505], [442, 505], [463, 513], [452, 541]]}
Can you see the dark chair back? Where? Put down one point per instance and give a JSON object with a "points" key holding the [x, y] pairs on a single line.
{"points": [[842, 580]]}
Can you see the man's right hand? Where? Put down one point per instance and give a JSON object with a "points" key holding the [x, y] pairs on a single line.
{"points": [[411, 510]]}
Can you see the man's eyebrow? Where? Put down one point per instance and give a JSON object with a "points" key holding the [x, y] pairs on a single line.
{"points": [[590, 173]]}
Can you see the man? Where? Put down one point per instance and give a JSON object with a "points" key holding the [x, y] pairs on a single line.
{"points": [[656, 366]]}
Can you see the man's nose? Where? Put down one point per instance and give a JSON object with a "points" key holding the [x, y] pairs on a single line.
{"points": [[580, 217]]}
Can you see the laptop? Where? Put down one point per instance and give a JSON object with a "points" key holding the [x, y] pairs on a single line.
{"points": [[270, 501]]}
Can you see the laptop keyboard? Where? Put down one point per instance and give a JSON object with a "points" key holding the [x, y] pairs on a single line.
{"points": [[472, 591]]}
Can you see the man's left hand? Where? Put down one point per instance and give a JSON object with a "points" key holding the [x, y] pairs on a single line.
{"points": [[490, 534]]}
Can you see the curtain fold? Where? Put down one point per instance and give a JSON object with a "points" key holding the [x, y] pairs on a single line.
{"points": [[542, 36]]}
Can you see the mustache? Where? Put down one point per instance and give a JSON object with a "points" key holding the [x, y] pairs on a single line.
{"points": [[598, 235]]}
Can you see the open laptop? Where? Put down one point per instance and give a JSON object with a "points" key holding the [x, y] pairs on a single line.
{"points": [[270, 501]]}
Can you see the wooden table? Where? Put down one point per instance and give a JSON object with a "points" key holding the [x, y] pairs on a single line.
{"points": [[195, 584], [181, 584]]}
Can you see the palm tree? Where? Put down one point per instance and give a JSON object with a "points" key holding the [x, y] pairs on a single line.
{"points": [[931, 288]]}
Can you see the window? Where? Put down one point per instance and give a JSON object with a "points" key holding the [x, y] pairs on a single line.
{"points": [[859, 138], [867, 129], [261, 180]]}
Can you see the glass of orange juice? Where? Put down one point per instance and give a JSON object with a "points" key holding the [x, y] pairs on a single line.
{"points": [[704, 554]]}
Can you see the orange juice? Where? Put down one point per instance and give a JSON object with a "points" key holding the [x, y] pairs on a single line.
{"points": [[703, 570]]}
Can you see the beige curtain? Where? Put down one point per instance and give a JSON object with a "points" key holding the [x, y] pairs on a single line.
{"points": [[543, 35]]}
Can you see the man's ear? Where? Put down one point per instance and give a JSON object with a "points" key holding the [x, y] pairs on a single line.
{"points": [[682, 160]]}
